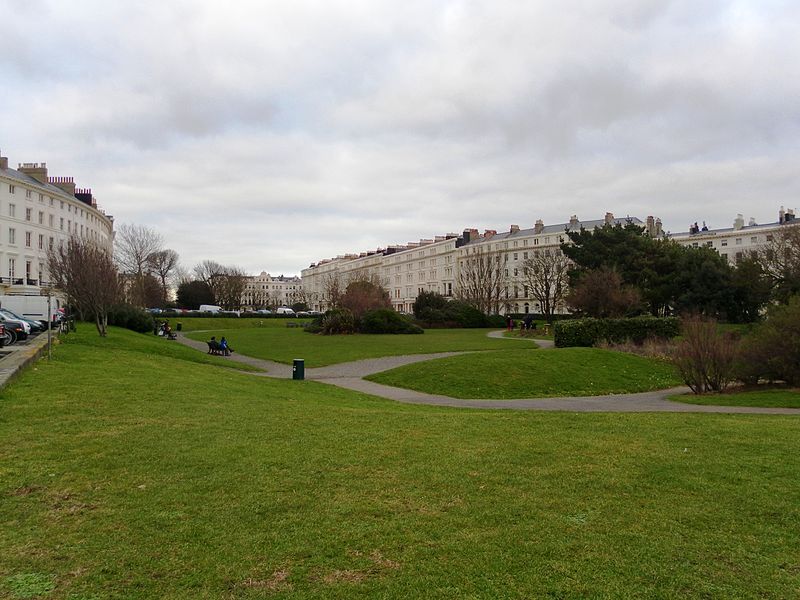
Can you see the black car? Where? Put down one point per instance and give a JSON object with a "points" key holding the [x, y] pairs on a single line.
{"points": [[15, 330]]}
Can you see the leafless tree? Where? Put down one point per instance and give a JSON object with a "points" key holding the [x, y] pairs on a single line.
{"points": [[228, 287], [163, 264], [134, 245], [482, 280], [332, 290], [780, 260], [545, 274], [601, 293], [86, 274]]}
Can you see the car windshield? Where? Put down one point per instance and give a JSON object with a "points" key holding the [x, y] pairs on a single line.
{"points": [[11, 314]]}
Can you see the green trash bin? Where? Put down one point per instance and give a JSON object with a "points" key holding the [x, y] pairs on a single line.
{"points": [[179, 326], [298, 369]]}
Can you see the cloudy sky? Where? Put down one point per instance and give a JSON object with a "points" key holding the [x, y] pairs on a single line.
{"points": [[273, 134]]}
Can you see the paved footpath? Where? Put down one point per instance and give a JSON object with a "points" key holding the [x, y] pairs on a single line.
{"points": [[349, 376]]}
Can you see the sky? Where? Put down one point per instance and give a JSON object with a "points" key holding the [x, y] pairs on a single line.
{"points": [[270, 135]]}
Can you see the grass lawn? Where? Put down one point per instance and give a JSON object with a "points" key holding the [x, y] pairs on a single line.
{"points": [[220, 323], [523, 374], [771, 398], [283, 344], [126, 474]]}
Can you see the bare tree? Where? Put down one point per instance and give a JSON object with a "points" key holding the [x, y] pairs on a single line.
{"points": [[601, 293], [482, 280], [228, 287], [162, 264], [134, 245], [545, 275], [780, 260], [332, 290], [86, 274]]}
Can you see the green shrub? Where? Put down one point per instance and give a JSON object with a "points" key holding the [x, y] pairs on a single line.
{"points": [[429, 301], [336, 321], [130, 317], [588, 332], [772, 351], [386, 320]]}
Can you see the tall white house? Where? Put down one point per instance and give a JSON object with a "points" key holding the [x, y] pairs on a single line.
{"points": [[268, 291], [737, 242], [38, 211], [435, 264]]}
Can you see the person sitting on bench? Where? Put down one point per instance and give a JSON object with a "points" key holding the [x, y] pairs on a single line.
{"points": [[223, 346], [213, 346]]}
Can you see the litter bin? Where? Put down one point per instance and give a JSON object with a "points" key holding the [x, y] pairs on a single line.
{"points": [[179, 326], [298, 368]]}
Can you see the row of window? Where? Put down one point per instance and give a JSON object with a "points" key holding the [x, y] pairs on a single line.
{"points": [[30, 276]]}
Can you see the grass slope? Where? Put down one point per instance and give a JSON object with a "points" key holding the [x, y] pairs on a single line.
{"points": [[523, 374], [225, 323], [283, 344], [131, 475], [146, 344], [768, 398]]}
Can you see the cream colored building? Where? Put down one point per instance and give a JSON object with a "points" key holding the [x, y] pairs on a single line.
{"points": [[434, 264], [36, 212], [267, 291], [737, 242]]}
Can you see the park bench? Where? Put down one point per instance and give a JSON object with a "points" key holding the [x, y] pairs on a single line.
{"points": [[213, 348]]}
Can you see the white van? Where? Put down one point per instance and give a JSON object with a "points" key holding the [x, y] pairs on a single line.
{"points": [[284, 310], [210, 308]]}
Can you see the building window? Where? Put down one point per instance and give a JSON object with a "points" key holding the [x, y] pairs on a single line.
{"points": [[12, 189], [27, 214], [27, 193], [12, 210], [27, 239], [738, 241], [754, 239], [12, 267], [724, 243], [50, 220], [62, 223], [28, 270], [41, 241], [12, 235]]}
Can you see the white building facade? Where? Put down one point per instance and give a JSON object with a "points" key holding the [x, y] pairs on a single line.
{"points": [[737, 242], [37, 212], [434, 264], [268, 291]]}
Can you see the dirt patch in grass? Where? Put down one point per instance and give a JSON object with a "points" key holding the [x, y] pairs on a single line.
{"points": [[278, 581]]}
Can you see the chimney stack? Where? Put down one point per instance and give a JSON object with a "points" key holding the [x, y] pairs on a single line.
{"points": [[609, 218], [738, 222], [539, 227], [489, 233], [3, 162], [573, 220], [514, 229], [64, 183], [781, 216], [35, 170]]}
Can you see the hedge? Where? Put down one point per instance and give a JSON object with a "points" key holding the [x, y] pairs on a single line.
{"points": [[588, 332]]}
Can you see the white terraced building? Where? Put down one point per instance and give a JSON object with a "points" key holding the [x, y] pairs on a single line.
{"points": [[267, 291], [737, 242], [36, 212], [434, 264]]}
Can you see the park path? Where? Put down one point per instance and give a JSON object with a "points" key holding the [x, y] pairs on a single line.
{"points": [[350, 376]]}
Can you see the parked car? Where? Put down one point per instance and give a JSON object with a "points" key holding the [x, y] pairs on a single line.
{"points": [[15, 330], [303, 313], [264, 311], [285, 310], [33, 326]]}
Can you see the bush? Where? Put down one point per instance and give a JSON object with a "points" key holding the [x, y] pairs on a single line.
{"points": [[705, 359], [386, 320], [334, 321], [427, 302], [772, 351], [588, 332], [130, 317]]}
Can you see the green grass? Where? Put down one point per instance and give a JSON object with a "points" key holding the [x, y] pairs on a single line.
{"points": [[126, 474], [283, 344], [523, 374], [147, 344], [768, 398], [226, 323]]}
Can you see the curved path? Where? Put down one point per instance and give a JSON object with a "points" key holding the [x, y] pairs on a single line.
{"points": [[349, 376]]}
